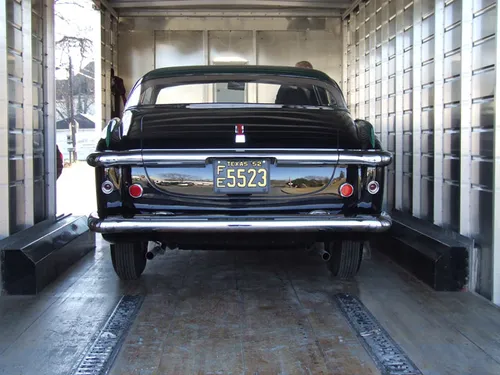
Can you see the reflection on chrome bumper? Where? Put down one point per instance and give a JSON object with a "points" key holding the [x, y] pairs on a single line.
{"points": [[332, 223], [156, 158]]}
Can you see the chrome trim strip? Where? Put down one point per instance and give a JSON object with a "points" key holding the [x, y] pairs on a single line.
{"points": [[292, 157], [144, 224]]}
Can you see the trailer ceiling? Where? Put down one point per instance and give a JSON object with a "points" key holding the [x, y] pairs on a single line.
{"points": [[242, 7]]}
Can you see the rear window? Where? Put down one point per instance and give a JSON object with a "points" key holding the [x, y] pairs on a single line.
{"points": [[300, 92]]}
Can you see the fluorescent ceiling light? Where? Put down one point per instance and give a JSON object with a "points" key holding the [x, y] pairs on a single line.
{"points": [[230, 60]]}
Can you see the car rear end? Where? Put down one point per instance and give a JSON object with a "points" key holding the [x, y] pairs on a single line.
{"points": [[188, 170], [182, 164]]}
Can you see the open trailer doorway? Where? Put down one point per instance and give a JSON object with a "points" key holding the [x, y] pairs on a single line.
{"points": [[77, 129]]}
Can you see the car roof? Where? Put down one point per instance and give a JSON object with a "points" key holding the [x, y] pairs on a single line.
{"points": [[237, 69]]}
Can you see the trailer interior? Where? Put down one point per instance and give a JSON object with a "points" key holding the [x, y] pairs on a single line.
{"points": [[427, 297]]}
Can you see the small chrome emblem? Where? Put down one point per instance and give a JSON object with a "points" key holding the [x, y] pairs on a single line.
{"points": [[240, 133]]}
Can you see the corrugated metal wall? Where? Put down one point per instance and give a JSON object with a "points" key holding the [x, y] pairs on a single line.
{"points": [[27, 161], [107, 58], [423, 72]]}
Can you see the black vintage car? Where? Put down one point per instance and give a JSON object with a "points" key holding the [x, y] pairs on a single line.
{"points": [[238, 157]]}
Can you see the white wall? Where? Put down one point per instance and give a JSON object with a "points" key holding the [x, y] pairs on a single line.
{"points": [[148, 43], [86, 140]]}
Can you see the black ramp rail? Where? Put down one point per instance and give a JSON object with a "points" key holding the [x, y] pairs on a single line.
{"points": [[436, 256], [388, 356], [34, 257], [101, 354]]}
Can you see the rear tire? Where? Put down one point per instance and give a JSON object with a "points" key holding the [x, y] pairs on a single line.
{"points": [[346, 257], [129, 259]]}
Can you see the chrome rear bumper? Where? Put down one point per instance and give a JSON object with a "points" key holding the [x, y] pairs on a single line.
{"points": [[156, 158], [302, 223]]}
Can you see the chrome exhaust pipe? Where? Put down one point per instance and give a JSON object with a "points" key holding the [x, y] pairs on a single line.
{"points": [[320, 249], [158, 249], [325, 255]]}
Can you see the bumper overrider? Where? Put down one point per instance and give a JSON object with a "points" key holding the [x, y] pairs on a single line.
{"points": [[193, 224]]}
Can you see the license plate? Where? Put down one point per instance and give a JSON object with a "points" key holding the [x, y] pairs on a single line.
{"points": [[241, 176]]}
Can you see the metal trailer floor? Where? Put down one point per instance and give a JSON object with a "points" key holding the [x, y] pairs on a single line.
{"points": [[245, 313]]}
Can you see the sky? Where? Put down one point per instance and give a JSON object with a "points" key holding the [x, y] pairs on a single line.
{"points": [[74, 18]]}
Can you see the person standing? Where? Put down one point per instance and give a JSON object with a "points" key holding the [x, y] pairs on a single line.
{"points": [[117, 94], [60, 162], [293, 95]]}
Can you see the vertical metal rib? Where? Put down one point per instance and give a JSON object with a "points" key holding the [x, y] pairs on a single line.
{"points": [[384, 128], [253, 95], [4, 128], [466, 117], [438, 110], [496, 180], [29, 205], [372, 69], [417, 109], [386, 353], [105, 66], [99, 115], [399, 103], [361, 112], [49, 123], [345, 60], [352, 74]]}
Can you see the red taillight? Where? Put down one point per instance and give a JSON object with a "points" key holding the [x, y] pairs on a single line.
{"points": [[373, 187], [135, 191], [346, 190]]}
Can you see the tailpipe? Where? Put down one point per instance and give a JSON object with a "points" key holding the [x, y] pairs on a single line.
{"points": [[320, 249], [158, 249]]}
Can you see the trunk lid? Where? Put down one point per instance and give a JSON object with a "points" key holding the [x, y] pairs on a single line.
{"points": [[216, 128], [263, 128]]}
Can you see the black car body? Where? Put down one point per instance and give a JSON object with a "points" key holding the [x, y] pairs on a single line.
{"points": [[280, 162]]}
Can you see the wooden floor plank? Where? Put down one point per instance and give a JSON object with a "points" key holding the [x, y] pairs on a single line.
{"points": [[407, 310], [477, 319], [53, 338], [237, 313], [315, 289], [204, 334], [54, 343], [17, 314], [278, 339]]}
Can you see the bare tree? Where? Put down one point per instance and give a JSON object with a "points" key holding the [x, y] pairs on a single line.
{"points": [[73, 49]]}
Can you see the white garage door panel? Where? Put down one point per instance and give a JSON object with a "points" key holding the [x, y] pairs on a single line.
{"points": [[321, 48], [136, 56], [230, 44], [278, 41], [178, 48]]}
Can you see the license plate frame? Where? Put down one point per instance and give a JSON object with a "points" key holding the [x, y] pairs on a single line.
{"points": [[255, 171]]}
